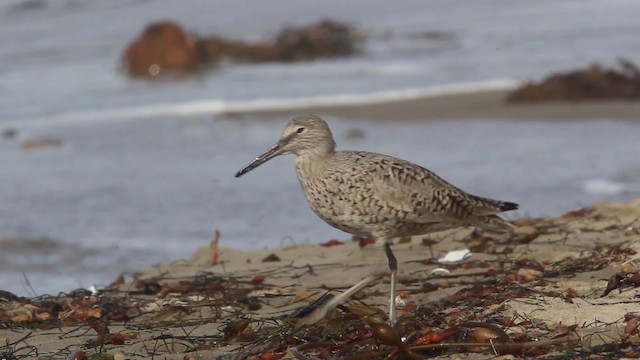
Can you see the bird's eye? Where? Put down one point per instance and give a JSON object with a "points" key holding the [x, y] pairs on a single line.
{"points": [[300, 129]]}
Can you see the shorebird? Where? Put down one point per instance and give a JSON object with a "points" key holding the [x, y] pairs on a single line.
{"points": [[375, 195]]}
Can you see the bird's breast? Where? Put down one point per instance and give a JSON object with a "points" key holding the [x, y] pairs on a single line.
{"points": [[337, 201]]}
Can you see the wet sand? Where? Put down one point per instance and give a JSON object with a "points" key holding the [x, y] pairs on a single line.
{"points": [[473, 105]]}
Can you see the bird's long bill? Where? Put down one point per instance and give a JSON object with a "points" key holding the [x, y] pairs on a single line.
{"points": [[269, 154]]}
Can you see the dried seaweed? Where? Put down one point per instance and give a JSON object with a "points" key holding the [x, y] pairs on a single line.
{"points": [[249, 316]]}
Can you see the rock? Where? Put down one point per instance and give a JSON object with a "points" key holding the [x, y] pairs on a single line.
{"points": [[215, 49], [163, 47], [326, 38], [9, 133], [593, 83]]}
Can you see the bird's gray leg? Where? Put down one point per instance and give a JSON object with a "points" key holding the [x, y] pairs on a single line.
{"points": [[323, 310], [393, 267]]}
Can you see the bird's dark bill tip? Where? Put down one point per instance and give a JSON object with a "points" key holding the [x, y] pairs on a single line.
{"points": [[506, 206]]}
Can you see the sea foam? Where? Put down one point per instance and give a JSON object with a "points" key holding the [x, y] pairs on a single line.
{"points": [[218, 106]]}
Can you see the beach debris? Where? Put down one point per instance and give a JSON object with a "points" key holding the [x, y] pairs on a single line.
{"points": [[364, 311], [629, 266], [434, 337], [148, 286], [524, 222], [486, 332], [632, 230], [258, 279], [455, 256], [593, 83], [119, 280], [9, 133], [440, 271], [526, 275], [491, 272], [331, 243], [632, 321], [213, 247], [269, 292], [42, 143], [562, 330], [488, 308], [235, 328], [174, 288], [578, 213], [270, 355], [166, 49], [77, 355], [364, 240], [93, 289], [105, 337], [622, 280], [271, 258], [386, 335]]}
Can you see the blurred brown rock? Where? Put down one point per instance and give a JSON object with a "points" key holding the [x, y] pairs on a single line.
{"points": [[592, 83], [165, 46], [326, 38], [162, 46], [214, 49]]}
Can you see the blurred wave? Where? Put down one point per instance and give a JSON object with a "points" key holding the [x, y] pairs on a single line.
{"points": [[609, 187], [203, 107]]}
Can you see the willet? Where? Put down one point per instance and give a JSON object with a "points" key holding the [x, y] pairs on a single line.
{"points": [[369, 194]]}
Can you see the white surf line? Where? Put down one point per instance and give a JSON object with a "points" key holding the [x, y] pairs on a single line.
{"points": [[216, 106], [609, 187]]}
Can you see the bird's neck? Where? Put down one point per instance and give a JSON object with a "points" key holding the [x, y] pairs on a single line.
{"points": [[313, 162], [318, 153]]}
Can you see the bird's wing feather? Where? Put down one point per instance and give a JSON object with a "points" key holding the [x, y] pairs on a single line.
{"points": [[419, 194]]}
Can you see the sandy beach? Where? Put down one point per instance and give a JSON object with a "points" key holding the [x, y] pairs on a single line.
{"points": [[474, 105], [540, 290]]}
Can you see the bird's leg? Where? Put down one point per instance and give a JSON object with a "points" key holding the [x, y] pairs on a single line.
{"points": [[324, 309], [393, 267]]}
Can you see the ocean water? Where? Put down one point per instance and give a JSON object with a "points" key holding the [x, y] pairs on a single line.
{"points": [[145, 172]]}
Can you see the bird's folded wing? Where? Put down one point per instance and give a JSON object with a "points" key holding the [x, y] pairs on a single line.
{"points": [[425, 196]]}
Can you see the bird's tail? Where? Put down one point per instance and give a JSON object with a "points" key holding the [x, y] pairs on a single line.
{"points": [[486, 206], [495, 223]]}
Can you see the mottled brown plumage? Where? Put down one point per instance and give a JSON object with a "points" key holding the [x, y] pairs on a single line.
{"points": [[377, 195]]}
